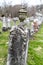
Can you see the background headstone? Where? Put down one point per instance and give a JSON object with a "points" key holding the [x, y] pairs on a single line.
{"points": [[9, 23], [4, 27], [15, 19]]}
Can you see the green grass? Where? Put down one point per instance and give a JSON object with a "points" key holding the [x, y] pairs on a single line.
{"points": [[35, 50], [3, 45]]}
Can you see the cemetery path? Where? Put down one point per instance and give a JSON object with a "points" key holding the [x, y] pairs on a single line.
{"points": [[35, 52]]}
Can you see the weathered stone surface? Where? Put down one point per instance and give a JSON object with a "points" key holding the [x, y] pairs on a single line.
{"points": [[6, 23], [4, 29], [15, 19], [9, 23], [18, 43], [17, 52]]}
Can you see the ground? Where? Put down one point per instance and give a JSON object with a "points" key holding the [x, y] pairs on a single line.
{"points": [[35, 49]]}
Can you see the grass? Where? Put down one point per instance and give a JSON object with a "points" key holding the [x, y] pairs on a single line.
{"points": [[35, 50], [3, 45]]}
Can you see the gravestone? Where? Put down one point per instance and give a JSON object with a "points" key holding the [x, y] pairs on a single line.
{"points": [[15, 19], [32, 28], [9, 22], [27, 21], [18, 43], [4, 28], [6, 22], [35, 25]]}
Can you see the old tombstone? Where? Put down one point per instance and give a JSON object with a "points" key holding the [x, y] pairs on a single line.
{"points": [[9, 22], [35, 25], [32, 28], [15, 19], [27, 21], [6, 22], [18, 43], [4, 28]]}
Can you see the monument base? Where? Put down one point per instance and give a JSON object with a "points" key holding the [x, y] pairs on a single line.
{"points": [[4, 29], [17, 51], [9, 28]]}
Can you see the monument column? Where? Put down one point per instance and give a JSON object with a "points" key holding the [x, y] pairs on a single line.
{"points": [[18, 42]]}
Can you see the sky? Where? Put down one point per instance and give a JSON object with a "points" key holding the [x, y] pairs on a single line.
{"points": [[29, 2]]}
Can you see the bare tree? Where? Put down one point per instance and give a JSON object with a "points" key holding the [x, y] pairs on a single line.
{"points": [[6, 7]]}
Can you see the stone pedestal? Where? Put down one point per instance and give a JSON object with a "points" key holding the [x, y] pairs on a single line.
{"points": [[18, 44], [9, 23], [15, 19], [4, 28]]}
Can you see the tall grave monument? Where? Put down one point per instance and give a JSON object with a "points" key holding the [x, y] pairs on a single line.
{"points": [[18, 42]]}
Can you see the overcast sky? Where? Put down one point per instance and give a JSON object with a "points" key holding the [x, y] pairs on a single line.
{"points": [[30, 2]]}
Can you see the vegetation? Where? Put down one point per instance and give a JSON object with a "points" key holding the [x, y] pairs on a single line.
{"points": [[35, 52], [3, 45]]}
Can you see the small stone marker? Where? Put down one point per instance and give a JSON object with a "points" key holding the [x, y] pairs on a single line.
{"points": [[4, 28], [9, 23]]}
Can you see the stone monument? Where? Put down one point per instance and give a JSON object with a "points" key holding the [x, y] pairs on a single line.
{"points": [[4, 28], [15, 19], [9, 22], [18, 42], [6, 22]]}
